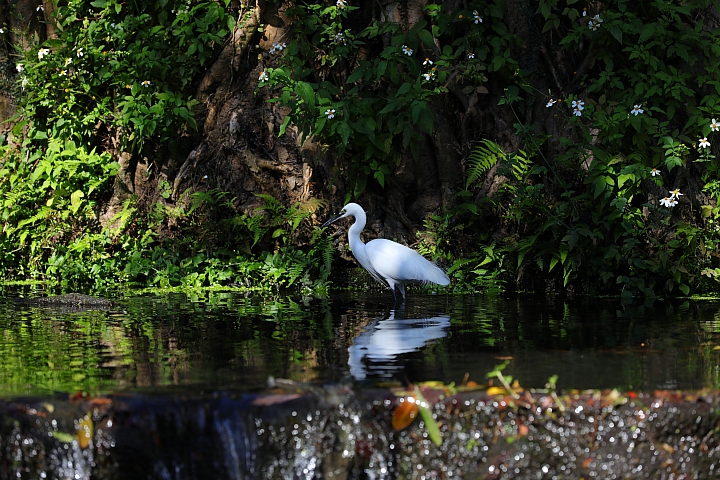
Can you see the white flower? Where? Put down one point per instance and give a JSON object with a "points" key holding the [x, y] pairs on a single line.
{"points": [[205, 177], [584, 12], [263, 76], [146, 83], [704, 142], [428, 76], [40, 7], [340, 38], [42, 52], [478, 18], [341, 4], [24, 82], [427, 62], [637, 109], [80, 53], [63, 72], [407, 50], [471, 55], [675, 193], [597, 18], [577, 112], [277, 47], [68, 61], [550, 103], [668, 202], [655, 172], [330, 112], [578, 104], [19, 67], [714, 126], [2, 30]]}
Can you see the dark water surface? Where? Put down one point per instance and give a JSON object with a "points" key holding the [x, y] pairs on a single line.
{"points": [[178, 343]]}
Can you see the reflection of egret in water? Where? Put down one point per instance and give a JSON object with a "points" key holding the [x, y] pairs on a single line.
{"points": [[376, 350]]}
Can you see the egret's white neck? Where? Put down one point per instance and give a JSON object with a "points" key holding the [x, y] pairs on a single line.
{"points": [[354, 234]]}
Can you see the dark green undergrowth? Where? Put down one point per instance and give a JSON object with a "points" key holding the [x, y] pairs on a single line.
{"points": [[127, 71], [622, 201]]}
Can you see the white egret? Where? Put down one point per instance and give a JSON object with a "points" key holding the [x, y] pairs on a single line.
{"points": [[390, 263]]}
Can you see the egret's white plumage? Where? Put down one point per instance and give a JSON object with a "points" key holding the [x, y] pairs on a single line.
{"points": [[390, 263]]}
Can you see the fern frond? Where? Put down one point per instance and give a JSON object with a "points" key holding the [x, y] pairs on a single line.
{"points": [[482, 159]]}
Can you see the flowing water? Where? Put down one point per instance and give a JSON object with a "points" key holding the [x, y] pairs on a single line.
{"points": [[227, 341]]}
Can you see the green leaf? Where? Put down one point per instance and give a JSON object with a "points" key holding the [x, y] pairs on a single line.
{"points": [[684, 289], [357, 73], [306, 93], [427, 38], [99, 3], [616, 32], [404, 88], [431, 425]]}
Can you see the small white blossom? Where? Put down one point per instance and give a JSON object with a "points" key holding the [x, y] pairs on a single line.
{"points": [[40, 8], [63, 73], [428, 76], [675, 193], [80, 53], [578, 104], [330, 112], [714, 125], [277, 47], [146, 83], [24, 82], [205, 177], [407, 50], [477, 17], [637, 109], [19, 67], [427, 62], [2, 30], [68, 61], [263, 76], [42, 52], [341, 4], [577, 112], [655, 172], [704, 142], [471, 55], [550, 103], [584, 12], [595, 22], [668, 202], [340, 38]]}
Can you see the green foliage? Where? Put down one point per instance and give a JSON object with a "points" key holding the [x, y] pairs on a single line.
{"points": [[119, 65], [598, 215], [383, 102], [46, 199], [133, 255]]}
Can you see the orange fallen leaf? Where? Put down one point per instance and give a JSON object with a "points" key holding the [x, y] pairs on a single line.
{"points": [[496, 391], [84, 431], [404, 414]]}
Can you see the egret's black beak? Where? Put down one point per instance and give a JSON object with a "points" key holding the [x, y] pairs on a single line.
{"points": [[333, 219]]}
